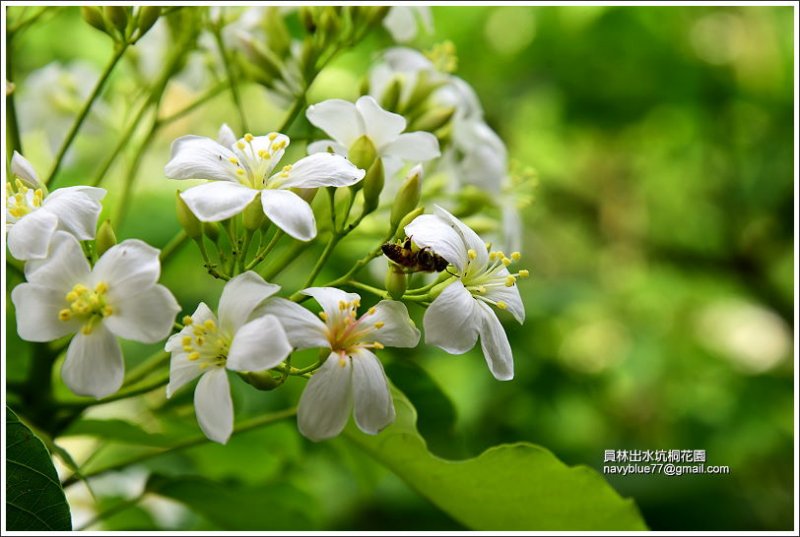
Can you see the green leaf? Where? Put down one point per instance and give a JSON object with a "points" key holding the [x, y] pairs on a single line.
{"points": [[34, 498], [271, 506], [509, 487]]}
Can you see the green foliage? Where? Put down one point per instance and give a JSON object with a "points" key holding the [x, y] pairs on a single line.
{"points": [[509, 487], [34, 498]]}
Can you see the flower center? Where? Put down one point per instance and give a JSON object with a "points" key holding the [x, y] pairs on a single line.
{"points": [[206, 343], [346, 334], [22, 200], [254, 161], [479, 280], [86, 305]]}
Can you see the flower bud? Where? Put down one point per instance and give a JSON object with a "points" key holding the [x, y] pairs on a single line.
{"points": [[362, 153], [396, 281], [261, 380], [253, 216], [105, 238], [187, 218], [407, 219], [211, 230], [422, 89], [148, 15], [373, 186], [261, 57], [307, 18], [306, 194], [118, 16], [391, 95], [93, 16], [277, 34], [407, 197], [432, 119]]}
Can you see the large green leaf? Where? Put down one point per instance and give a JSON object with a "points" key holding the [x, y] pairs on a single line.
{"points": [[277, 505], [509, 487], [34, 498]]}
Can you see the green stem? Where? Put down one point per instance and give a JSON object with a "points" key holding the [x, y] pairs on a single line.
{"points": [[150, 364], [259, 257], [123, 394], [248, 425], [12, 126], [111, 511], [124, 141], [248, 237], [370, 289], [326, 253], [127, 189], [226, 61], [290, 117], [210, 94], [290, 255], [174, 244], [85, 111]]}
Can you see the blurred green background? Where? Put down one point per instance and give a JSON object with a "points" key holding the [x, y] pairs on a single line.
{"points": [[660, 244]]}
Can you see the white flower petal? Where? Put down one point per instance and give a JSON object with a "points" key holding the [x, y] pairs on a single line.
{"points": [[127, 268], [323, 146], [373, 406], [181, 371], [397, 328], [471, 239], [94, 364], [494, 343], [304, 329], [30, 236], [76, 211], [321, 169], [258, 345], [290, 212], [401, 23], [37, 313], [414, 146], [213, 405], [330, 298], [451, 322], [146, 316], [338, 118], [23, 169], [382, 127], [226, 136], [95, 193], [213, 202], [509, 295], [64, 267], [240, 297], [430, 231], [327, 399], [198, 157]]}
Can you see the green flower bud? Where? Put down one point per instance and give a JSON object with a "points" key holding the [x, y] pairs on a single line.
{"points": [[376, 14], [148, 15], [329, 22], [105, 238], [93, 16], [211, 230], [407, 197], [432, 119], [391, 95], [253, 216], [362, 153], [277, 33], [118, 15], [396, 281], [373, 186], [422, 90], [187, 218], [307, 18], [262, 58], [261, 380], [407, 219]]}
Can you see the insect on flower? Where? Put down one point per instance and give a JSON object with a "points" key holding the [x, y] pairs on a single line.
{"points": [[420, 260]]}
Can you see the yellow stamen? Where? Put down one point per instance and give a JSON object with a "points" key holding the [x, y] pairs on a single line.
{"points": [[188, 348], [510, 281], [323, 316], [371, 311], [524, 273], [200, 341], [107, 310], [379, 325], [271, 136], [472, 253], [502, 305], [210, 325], [72, 296], [193, 356], [516, 256], [263, 154], [187, 320], [65, 315], [378, 345], [342, 305], [506, 261], [186, 340], [248, 137], [240, 144], [342, 361]]}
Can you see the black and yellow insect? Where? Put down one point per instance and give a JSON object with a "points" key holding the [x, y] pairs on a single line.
{"points": [[419, 260]]}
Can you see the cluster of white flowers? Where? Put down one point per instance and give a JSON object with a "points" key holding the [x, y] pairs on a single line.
{"points": [[98, 294]]}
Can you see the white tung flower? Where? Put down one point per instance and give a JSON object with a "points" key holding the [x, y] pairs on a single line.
{"points": [[118, 297], [238, 340], [33, 215], [346, 122], [242, 169], [352, 376], [463, 309]]}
